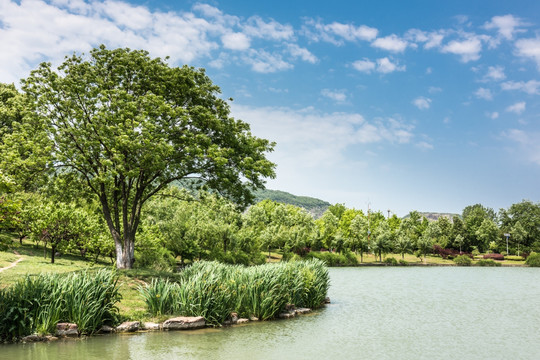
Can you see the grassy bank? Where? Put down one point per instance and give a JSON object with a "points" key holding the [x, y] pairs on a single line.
{"points": [[207, 289]]}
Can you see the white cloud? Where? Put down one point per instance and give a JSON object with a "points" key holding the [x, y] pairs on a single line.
{"points": [[390, 43], [386, 66], [529, 48], [350, 32], [493, 115], [517, 108], [530, 87], [382, 65], [483, 93], [57, 30], [424, 145], [429, 39], [528, 143], [364, 65], [506, 25], [303, 53], [422, 103], [265, 62], [257, 27], [468, 49], [336, 33], [42, 30], [235, 41], [434, 89], [336, 95], [495, 73], [309, 138]]}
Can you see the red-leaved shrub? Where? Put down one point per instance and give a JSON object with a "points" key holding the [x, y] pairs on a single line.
{"points": [[494, 256]]}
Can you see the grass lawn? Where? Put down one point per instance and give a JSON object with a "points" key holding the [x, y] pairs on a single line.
{"points": [[131, 306]]}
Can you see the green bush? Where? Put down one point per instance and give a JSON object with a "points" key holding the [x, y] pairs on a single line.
{"points": [[332, 259], [351, 258], [403, 262], [463, 260], [533, 260], [514, 258], [390, 261], [487, 262]]}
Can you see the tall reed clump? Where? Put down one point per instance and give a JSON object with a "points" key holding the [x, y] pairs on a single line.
{"points": [[38, 303], [213, 290]]}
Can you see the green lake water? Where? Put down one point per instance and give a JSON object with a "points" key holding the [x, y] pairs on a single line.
{"points": [[376, 313]]}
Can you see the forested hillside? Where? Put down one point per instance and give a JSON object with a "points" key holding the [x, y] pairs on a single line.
{"points": [[316, 207]]}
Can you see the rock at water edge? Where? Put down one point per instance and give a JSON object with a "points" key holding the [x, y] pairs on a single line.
{"points": [[67, 329], [128, 326], [184, 323]]}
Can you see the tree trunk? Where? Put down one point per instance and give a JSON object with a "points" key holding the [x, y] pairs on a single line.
{"points": [[53, 251]]}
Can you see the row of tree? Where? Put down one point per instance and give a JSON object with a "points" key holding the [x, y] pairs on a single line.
{"points": [[182, 225]]}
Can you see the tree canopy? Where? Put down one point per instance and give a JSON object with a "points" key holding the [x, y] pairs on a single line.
{"points": [[128, 125]]}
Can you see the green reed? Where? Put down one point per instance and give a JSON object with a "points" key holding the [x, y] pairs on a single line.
{"points": [[214, 290], [38, 303]]}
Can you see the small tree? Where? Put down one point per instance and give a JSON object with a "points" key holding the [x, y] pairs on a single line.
{"points": [[403, 245], [458, 241]]}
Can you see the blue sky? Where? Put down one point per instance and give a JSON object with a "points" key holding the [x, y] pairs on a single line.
{"points": [[405, 105]]}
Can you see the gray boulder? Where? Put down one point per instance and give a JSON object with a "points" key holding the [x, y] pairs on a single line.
{"points": [[67, 329], [150, 326], [184, 323], [302, 311], [128, 326]]}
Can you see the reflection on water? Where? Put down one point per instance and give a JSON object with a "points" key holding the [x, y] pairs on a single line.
{"points": [[383, 313]]}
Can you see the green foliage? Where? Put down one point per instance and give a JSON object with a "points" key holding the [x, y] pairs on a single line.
{"points": [[487, 262], [403, 262], [463, 260], [127, 125], [214, 290], [39, 303], [514, 258], [390, 261], [533, 260], [333, 259]]}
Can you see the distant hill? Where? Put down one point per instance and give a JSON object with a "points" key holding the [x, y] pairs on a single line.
{"points": [[315, 206], [434, 216]]}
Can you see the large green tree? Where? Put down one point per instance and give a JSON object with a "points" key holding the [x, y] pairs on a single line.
{"points": [[129, 125]]}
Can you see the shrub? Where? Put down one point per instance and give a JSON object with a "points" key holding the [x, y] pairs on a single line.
{"points": [[463, 260], [332, 259], [514, 258], [488, 262], [494, 256], [403, 262], [351, 258], [533, 260], [390, 261]]}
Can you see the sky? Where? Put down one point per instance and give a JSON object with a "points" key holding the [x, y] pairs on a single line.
{"points": [[396, 105]]}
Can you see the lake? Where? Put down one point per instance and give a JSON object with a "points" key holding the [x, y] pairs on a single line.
{"points": [[376, 313]]}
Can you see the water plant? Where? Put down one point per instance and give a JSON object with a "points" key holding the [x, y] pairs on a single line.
{"points": [[213, 290], [38, 303]]}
